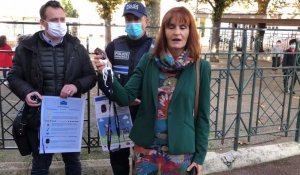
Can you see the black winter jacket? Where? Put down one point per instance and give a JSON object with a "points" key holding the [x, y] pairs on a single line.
{"points": [[288, 58], [26, 74]]}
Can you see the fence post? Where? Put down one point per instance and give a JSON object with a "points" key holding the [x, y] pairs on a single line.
{"points": [[2, 142], [255, 73], [229, 56], [297, 135], [240, 90]]}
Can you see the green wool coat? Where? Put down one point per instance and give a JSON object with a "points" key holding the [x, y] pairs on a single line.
{"points": [[184, 136]]}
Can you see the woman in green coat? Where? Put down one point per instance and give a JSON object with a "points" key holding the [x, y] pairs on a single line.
{"points": [[168, 139]]}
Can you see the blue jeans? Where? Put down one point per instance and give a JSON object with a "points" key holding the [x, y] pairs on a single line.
{"points": [[42, 162]]}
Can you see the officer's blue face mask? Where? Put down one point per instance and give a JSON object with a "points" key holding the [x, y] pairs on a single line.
{"points": [[134, 30]]}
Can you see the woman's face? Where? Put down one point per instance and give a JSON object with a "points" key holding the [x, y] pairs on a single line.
{"points": [[177, 35]]}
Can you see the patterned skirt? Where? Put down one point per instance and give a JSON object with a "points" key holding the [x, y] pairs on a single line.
{"points": [[156, 161]]}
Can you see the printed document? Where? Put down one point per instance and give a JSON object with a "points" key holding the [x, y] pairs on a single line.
{"points": [[104, 113], [61, 124]]}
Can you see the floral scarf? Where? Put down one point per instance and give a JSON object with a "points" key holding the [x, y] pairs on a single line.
{"points": [[167, 63]]}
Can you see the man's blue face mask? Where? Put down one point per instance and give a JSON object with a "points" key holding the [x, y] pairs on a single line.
{"points": [[134, 30], [293, 46]]}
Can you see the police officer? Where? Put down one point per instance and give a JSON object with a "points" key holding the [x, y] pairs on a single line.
{"points": [[124, 53]]}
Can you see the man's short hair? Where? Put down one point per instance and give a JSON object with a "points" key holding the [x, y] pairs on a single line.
{"points": [[278, 41], [53, 4]]}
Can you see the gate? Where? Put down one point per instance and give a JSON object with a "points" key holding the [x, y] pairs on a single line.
{"points": [[248, 101]]}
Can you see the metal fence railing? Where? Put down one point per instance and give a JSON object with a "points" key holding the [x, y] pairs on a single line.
{"points": [[248, 101]]}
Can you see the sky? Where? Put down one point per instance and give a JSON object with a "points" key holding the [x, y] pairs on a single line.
{"points": [[87, 10], [28, 10]]}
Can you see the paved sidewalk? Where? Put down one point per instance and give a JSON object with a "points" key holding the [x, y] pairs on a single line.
{"points": [[214, 163], [287, 166], [250, 156]]}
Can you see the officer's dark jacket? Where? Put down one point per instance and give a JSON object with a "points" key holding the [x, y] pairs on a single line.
{"points": [[289, 59], [124, 54]]}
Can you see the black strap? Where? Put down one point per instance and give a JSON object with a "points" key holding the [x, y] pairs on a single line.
{"points": [[117, 121], [109, 128], [117, 124], [23, 112]]}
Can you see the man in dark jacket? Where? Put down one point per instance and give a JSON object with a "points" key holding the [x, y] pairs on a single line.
{"points": [[51, 63], [124, 53], [289, 59]]}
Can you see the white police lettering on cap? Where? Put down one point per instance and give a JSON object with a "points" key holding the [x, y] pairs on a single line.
{"points": [[132, 6]]}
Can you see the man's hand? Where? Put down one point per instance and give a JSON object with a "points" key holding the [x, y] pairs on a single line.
{"points": [[33, 99], [68, 91]]}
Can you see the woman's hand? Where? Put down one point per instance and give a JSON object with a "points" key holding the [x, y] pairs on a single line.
{"points": [[198, 167], [135, 102], [100, 63]]}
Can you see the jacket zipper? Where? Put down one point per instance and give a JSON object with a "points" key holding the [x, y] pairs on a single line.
{"points": [[55, 71]]}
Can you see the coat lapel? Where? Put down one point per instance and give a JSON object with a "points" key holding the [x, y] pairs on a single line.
{"points": [[154, 83], [184, 78]]}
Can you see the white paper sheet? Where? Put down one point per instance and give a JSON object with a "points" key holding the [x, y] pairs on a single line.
{"points": [[61, 124]]}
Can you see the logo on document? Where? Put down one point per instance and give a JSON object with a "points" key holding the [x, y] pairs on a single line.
{"points": [[63, 103]]}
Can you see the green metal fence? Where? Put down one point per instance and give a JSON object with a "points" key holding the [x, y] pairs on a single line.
{"points": [[248, 99], [248, 102]]}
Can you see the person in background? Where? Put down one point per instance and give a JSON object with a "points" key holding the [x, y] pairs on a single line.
{"points": [[124, 53], [289, 59], [22, 37], [277, 55], [5, 57], [167, 137], [52, 63]]}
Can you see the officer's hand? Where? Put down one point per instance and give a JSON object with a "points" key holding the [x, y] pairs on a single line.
{"points": [[33, 99]]}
